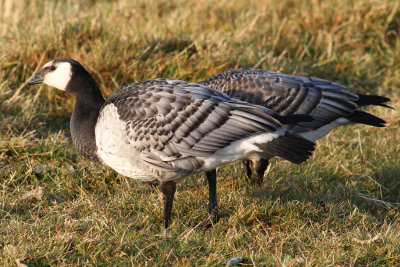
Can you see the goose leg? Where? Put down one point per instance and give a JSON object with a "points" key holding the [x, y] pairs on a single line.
{"points": [[249, 172], [260, 166], [213, 209], [212, 189], [255, 170], [168, 189]]}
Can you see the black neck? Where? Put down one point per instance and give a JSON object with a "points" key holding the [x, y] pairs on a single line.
{"points": [[84, 117]]}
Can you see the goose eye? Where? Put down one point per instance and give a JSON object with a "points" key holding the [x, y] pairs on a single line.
{"points": [[52, 68]]}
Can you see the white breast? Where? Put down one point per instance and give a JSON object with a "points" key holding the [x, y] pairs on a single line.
{"points": [[114, 149]]}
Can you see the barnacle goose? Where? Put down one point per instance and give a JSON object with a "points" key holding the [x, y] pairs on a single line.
{"points": [[330, 104], [165, 130]]}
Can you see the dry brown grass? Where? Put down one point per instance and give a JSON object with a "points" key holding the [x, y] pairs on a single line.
{"points": [[341, 208]]}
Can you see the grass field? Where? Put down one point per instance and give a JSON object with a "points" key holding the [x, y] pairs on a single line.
{"points": [[340, 208]]}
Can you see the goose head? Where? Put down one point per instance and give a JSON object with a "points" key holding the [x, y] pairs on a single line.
{"points": [[56, 73], [64, 74]]}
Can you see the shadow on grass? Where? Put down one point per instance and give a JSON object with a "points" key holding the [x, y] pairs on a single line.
{"points": [[377, 197]]}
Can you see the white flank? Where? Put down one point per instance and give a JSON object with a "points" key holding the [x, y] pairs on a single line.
{"points": [[113, 146], [324, 130], [60, 77], [242, 149]]}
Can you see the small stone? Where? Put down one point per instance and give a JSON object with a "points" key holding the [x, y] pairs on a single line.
{"points": [[300, 259], [71, 169], [234, 261], [39, 170]]}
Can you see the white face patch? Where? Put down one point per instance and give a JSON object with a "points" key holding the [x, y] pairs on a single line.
{"points": [[59, 77]]}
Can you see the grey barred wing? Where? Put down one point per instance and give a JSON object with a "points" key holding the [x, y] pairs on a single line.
{"points": [[168, 123], [287, 94]]}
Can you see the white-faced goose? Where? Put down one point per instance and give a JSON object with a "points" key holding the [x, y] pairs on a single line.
{"points": [[166, 130], [330, 104]]}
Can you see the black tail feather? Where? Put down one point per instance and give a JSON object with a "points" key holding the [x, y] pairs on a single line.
{"points": [[291, 147], [366, 118], [365, 100]]}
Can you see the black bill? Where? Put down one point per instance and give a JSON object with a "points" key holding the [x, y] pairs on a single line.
{"points": [[37, 79]]}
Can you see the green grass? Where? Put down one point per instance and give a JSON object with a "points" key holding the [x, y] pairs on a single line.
{"points": [[340, 208]]}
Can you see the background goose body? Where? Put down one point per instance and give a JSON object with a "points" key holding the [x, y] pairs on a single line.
{"points": [[330, 104], [167, 129]]}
